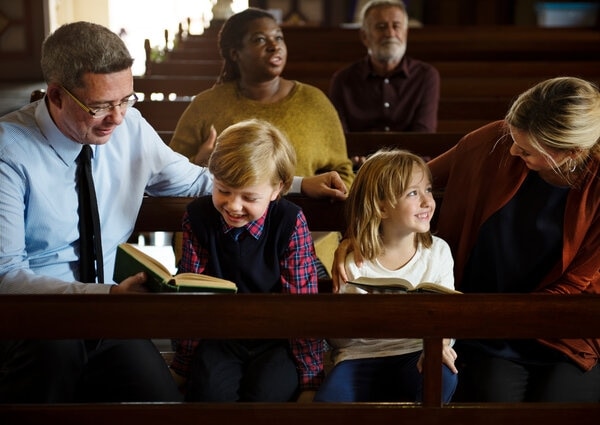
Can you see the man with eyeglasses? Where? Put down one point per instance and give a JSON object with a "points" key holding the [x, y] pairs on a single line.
{"points": [[88, 102]]}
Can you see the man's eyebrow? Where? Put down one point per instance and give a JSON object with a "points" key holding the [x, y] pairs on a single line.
{"points": [[108, 102]]}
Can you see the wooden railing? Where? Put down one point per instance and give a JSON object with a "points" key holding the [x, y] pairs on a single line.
{"points": [[454, 115], [432, 43], [428, 145]]}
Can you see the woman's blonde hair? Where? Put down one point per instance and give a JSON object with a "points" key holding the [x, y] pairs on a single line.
{"points": [[251, 151], [560, 114], [381, 179]]}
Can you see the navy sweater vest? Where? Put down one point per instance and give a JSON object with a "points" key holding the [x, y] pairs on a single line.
{"points": [[253, 264]]}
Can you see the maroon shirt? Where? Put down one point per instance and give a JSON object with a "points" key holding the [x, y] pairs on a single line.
{"points": [[405, 100]]}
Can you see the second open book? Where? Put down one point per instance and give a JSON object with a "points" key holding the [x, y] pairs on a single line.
{"points": [[397, 284], [131, 260]]}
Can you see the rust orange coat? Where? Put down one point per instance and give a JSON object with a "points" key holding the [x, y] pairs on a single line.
{"points": [[480, 176]]}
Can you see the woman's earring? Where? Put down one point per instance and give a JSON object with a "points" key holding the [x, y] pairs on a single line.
{"points": [[571, 164]]}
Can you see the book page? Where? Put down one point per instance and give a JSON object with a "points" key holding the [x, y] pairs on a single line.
{"points": [[147, 260], [389, 282], [398, 284], [436, 288], [202, 280]]}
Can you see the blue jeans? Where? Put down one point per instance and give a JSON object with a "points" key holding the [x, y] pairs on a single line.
{"points": [[381, 379]]}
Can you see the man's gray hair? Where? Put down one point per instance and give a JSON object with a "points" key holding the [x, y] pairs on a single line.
{"points": [[81, 47], [376, 4]]}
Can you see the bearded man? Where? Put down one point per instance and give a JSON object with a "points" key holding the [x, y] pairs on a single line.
{"points": [[386, 90]]}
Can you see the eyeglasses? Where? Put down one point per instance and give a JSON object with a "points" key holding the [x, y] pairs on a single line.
{"points": [[104, 111]]}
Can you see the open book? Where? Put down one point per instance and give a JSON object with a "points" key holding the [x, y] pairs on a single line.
{"points": [[131, 260], [397, 284]]}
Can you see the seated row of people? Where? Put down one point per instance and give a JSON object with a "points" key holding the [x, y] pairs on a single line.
{"points": [[386, 91]]}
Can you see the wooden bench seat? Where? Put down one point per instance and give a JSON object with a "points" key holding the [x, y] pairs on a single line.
{"points": [[165, 213], [296, 69], [427, 145], [430, 43], [454, 115], [468, 88]]}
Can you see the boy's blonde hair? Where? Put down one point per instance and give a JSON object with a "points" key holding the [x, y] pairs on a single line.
{"points": [[251, 151], [381, 179]]}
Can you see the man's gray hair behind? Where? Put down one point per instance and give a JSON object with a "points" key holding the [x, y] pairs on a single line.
{"points": [[81, 47]]}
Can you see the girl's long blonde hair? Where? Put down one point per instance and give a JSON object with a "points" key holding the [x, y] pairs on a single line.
{"points": [[382, 178]]}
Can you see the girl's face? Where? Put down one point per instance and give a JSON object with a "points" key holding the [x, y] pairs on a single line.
{"points": [[263, 54], [240, 206], [414, 209], [533, 158]]}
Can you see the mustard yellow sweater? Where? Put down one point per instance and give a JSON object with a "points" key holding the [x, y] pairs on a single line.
{"points": [[306, 116]]}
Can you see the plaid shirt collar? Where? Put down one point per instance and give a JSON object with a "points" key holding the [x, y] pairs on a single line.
{"points": [[254, 228]]}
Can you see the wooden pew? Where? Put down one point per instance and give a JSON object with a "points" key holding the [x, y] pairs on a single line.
{"points": [[283, 316], [296, 69], [454, 115], [456, 87], [365, 143], [430, 43], [427, 145], [180, 86], [164, 214]]}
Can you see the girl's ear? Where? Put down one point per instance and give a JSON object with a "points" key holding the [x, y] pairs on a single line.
{"points": [[384, 207]]}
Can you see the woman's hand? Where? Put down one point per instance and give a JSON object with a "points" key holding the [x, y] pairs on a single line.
{"points": [[326, 185], [206, 149], [338, 271]]}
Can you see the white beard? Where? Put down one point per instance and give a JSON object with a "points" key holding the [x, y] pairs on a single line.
{"points": [[389, 52]]}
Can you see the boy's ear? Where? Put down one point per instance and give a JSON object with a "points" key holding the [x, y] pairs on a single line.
{"points": [[277, 191]]}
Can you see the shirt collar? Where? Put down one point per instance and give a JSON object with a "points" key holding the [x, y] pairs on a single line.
{"points": [[65, 148], [254, 228], [367, 69]]}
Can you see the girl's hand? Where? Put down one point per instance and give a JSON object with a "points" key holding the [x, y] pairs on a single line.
{"points": [[449, 356]]}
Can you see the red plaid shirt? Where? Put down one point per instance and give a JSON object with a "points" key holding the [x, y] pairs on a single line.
{"points": [[298, 276]]}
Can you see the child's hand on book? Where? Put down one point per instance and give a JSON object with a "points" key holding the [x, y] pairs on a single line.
{"points": [[135, 283]]}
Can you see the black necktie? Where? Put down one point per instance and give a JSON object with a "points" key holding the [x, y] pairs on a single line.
{"points": [[90, 243]]}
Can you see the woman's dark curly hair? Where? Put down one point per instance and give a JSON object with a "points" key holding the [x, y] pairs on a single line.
{"points": [[231, 37]]}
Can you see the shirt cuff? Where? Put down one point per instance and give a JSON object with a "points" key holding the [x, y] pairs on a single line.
{"points": [[296, 185]]}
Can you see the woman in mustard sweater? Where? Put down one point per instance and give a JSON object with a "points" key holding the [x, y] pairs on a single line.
{"points": [[250, 86]]}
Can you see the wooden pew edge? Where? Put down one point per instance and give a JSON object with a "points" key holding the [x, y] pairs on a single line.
{"points": [[301, 414]]}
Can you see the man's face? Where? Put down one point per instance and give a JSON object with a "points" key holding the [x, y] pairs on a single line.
{"points": [[385, 33], [98, 91]]}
